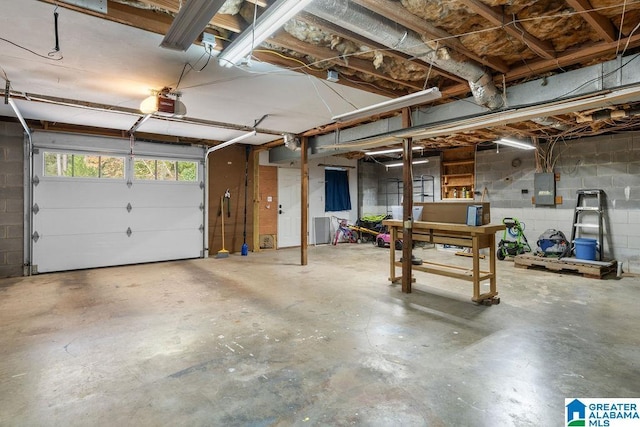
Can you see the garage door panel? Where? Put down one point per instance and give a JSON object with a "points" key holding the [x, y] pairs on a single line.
{"points": [[159, 219], [61, 193], [172, 194], [166, 245], [69, 252], [81, 221]]}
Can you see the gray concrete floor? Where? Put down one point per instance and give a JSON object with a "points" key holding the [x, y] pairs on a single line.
{"points": [[262, 341]]}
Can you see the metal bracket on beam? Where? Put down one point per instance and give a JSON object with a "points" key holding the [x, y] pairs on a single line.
{"points": [[95, 5]]}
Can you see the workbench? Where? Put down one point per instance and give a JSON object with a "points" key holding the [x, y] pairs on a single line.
{"points": [[474, 237]]}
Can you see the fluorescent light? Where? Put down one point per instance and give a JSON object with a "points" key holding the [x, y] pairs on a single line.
{"points": [[516, 143], [190, 22], [398, 164], [233, 141], [391, 150], [393, 104], [271, 20]]}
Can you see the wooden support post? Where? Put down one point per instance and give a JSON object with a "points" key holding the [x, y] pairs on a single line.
{"points": [[407, 211], [256, 200], [304, 199]]}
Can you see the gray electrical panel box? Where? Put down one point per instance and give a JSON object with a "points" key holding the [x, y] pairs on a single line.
{"points": [[544, 185]]}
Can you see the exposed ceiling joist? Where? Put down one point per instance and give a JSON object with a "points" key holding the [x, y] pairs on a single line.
{"points": [[356, 38], [289, 42], [495, 17], [601, 24], [581, 55], [394, 11]]}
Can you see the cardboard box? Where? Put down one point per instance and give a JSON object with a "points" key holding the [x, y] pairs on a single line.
{"points": [[452, 212]]}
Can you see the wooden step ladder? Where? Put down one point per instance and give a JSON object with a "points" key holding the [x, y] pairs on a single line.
{"points": [[584, 206]]}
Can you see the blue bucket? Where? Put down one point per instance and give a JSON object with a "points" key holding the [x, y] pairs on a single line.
{"points": [[586, 249]]}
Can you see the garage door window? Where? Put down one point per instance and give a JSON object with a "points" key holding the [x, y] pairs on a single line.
{"points": [[165, 170], [74, 165]]}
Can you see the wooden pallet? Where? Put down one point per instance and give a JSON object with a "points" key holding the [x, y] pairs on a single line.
{"points": [[593, 269]]}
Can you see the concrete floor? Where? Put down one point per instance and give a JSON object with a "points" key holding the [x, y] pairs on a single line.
{"points": [[262, 341]]}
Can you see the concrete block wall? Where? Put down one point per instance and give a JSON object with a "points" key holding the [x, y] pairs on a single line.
{"points": [[610, 163], [11, 199]]}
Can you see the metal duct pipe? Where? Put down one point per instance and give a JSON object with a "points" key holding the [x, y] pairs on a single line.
{"points": [[386, 32]]}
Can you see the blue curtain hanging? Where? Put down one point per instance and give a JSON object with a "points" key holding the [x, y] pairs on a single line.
{"points": [[336, 191]]}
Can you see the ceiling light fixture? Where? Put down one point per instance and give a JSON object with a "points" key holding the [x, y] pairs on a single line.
{"points": [[393, 104], [230, 142], [189, 23], [516, 143], [391, 150], [398, 164], [271, 20]]}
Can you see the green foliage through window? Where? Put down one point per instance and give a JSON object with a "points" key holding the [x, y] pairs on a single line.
{"points": [[165, 170], [83, 166]]}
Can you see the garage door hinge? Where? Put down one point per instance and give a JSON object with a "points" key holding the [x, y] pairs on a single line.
{"points": [[129, 183], [35, 209], [36, 181], [129, 207], [129, 232], [35, 151], [202, 185], [201, 228], [202, 206], [35, 236]]}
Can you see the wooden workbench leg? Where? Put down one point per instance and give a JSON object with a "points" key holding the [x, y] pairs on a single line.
{"points": [[392, 254], [493, 287], [475, 250]]}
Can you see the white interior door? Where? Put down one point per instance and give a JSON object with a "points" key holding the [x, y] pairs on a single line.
{"points": [[289, 214]]}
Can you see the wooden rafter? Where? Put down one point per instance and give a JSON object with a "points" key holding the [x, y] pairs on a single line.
{"points": [[576, 56], [287, 41], [601, 24], [293, 63], [358, 39], [496, 17], [396, 12], [232, 23]]}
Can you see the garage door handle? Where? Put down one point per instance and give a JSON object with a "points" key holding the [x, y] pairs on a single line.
{"points": [[129, 232]]}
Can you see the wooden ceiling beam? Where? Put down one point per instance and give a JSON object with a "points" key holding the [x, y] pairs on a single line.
{"points": [[353, 81], [497, 18], [358, 39], [233, 23], [579, 54], [601, 24], [394, 11], [287, 41]]}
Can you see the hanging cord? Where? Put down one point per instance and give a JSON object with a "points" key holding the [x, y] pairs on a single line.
{"points": [[55, 29]]}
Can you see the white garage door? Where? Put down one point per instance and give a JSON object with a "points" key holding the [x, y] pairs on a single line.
{"points": [[96, 204]]}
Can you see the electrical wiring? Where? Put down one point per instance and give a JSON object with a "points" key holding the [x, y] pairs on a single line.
{"points": [[50, 58], [183, 74], [626, 46], [624, 8], [290, 58], [588, 82], [319, 95], [338, 94]]}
